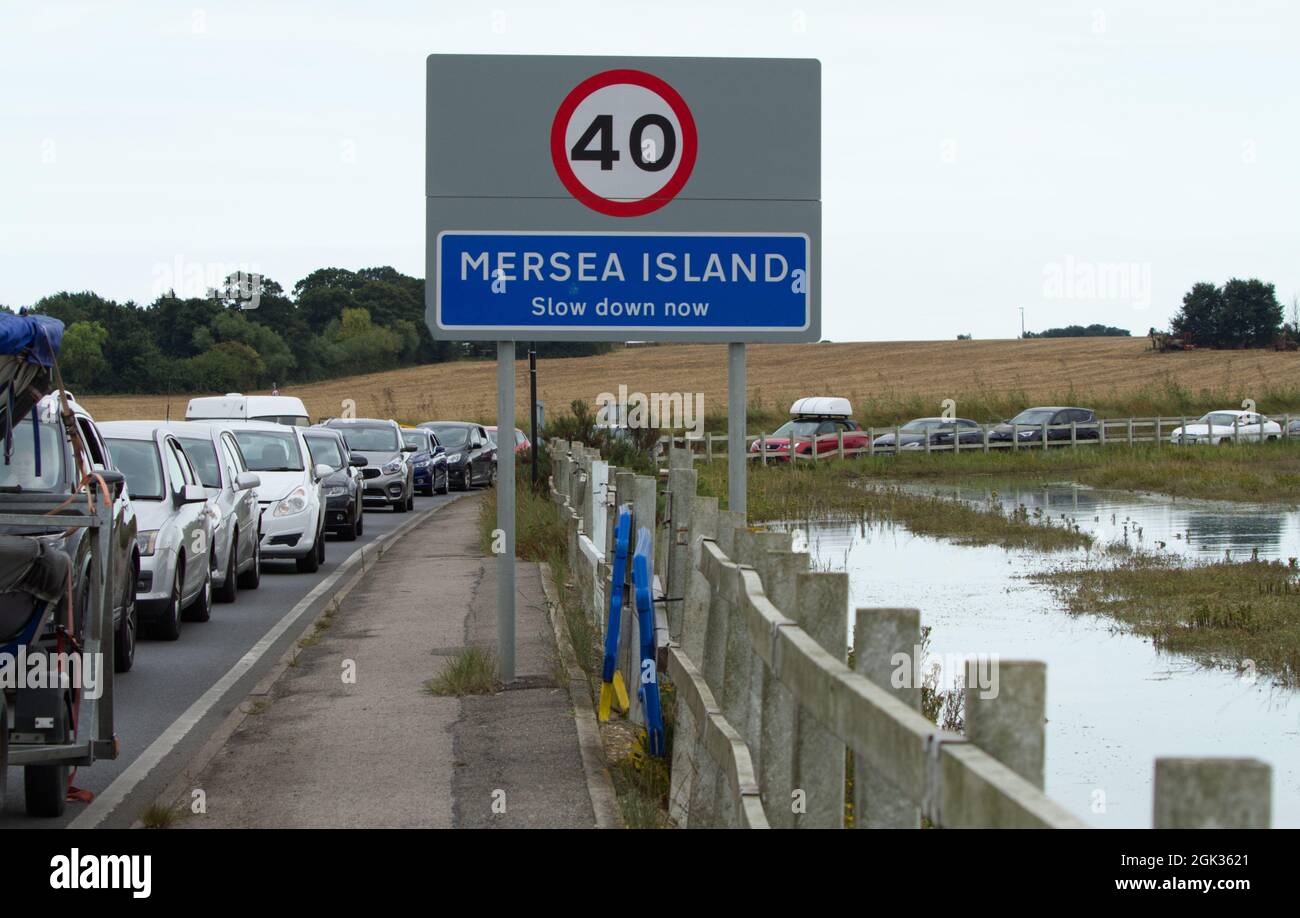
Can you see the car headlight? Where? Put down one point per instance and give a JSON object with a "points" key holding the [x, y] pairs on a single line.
{"points": [[295, 502], [392, 467], [453, 457], [1030, 434], [147, 541], [335, 490]]}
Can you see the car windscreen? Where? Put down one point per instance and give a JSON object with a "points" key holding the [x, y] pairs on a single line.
{"points": [[325, 450], [290, 420], [797, 429], [1034, 416], [18, 470], [138, 461], [452, 437], [268, 451], [920, 424], [417, 438], [1220, 418], [371, 439], [203, 456]]}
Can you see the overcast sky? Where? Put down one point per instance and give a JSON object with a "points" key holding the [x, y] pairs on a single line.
{"points": [[1087, 161]]}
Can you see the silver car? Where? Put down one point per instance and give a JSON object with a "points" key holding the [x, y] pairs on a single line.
{"points": [[389, 476], [175, 520], [232, 488]]}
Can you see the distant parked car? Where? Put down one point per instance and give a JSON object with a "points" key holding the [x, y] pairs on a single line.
{"points": [[471, 456], [429, 460], [939, 431], [390, 480], [522, 443], [1223, 427], [233, 489], [290, 493], [344, 487], [177, 550], [817, 419], [1057, 420]]}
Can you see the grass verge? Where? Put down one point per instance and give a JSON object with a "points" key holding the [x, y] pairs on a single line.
{"points": [[472, 671], [840, 491], [159, 816], [1242, 615]]}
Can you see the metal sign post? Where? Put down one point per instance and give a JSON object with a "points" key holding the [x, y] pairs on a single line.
{"points": [[617, 199]]}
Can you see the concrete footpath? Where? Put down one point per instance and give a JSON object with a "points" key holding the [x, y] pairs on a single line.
{"points": [[320, 751]]}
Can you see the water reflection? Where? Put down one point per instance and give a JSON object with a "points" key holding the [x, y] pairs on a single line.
{"points": [[1115, 703]]}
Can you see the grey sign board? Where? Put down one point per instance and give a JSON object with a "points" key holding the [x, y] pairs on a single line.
{"points": [[594, 198]]}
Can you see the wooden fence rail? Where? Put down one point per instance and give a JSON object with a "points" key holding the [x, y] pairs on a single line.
{"points": [[754, 644], [1110, 432]]}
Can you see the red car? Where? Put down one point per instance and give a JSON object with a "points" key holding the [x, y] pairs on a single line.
{"points": [[522, 443], [818, 420]]}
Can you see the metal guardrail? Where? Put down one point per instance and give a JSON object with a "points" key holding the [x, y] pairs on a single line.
{"points": [[767, 705]]}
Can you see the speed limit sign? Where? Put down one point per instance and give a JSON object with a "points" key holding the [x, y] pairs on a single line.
{"points": [[623, 142]]}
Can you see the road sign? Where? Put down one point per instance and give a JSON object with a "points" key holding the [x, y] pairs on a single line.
{"points": [[623, 142], [637, 284], [712, 165]]}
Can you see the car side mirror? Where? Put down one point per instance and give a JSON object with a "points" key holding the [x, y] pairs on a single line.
{"points": [[246, 480], [193, 494], [358, 461], [115, 480], [410, 449], [322, 470]]}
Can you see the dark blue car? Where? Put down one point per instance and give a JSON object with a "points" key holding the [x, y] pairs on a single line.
{"points": [[429, 460]]}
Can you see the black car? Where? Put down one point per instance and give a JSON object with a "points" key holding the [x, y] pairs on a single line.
{"points": [[429, 460], [344, 486], [471, 457], [1058, 421], [939, 431]]}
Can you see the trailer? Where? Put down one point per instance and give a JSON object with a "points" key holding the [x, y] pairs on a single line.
{"points": [[56, 654]]}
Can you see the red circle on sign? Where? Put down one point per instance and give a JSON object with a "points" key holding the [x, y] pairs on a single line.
{"points": [[560, 157]]}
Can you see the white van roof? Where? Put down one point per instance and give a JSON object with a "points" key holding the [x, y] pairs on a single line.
{"points": [[821, 406], [235, 407]]}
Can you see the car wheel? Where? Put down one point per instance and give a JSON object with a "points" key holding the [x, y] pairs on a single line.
{"points": [[309, 563], [230, 586], [410, 501], [200, 610], [399, 505], [462, 481], [443, 488], [492, 475], [169, 627], [251, 578], [124, 640], [360, 523], [320, 545], [350, 532]]}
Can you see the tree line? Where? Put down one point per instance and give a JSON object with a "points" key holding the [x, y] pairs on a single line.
{"points": [[1241, 313], [334, 322]]}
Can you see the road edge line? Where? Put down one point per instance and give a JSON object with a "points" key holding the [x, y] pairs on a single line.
{"points": [[600, 785], [111, 797]]}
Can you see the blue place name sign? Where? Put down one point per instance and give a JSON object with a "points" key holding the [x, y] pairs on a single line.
{"points": [[614, 285]]}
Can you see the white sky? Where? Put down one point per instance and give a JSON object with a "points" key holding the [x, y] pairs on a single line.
{"points": [[977, 158]]}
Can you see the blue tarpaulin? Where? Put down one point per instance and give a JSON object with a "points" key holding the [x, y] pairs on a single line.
{"points": [[34, 338]]}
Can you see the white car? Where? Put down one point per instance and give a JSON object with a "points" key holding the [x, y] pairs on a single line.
{"points": [[175, 525], [233, 489], [1223, 427], [289, 492]]}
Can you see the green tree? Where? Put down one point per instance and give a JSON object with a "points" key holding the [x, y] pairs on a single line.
{"points": [[1251, 313], [81, 356], [1200, 315]]}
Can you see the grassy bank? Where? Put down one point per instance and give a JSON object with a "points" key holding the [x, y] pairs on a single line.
{"points": [[838, 491], [1239, 614]]}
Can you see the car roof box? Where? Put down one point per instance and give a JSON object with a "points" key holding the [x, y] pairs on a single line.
{"points": [[821, 406]]}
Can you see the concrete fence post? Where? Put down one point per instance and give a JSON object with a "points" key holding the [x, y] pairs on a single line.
{"points": [[1212, 794], [695, 604], [886, 644], [752, 546], [822, 610], [682, 485], [1006, 710], [779, 571]]}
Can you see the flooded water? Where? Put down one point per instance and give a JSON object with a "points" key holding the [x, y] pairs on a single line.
{"points": [[1114, 703]]}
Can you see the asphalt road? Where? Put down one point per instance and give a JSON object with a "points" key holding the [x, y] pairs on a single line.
{"points": [[168, 678]]}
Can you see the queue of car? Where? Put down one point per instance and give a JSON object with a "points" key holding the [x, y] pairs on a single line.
{"points": [[819, 424]]}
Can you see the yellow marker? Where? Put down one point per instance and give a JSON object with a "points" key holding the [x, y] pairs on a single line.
{"points": [[612, 693]]}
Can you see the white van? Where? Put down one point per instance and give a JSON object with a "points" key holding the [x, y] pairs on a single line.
{"points": [[275, 409]]}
